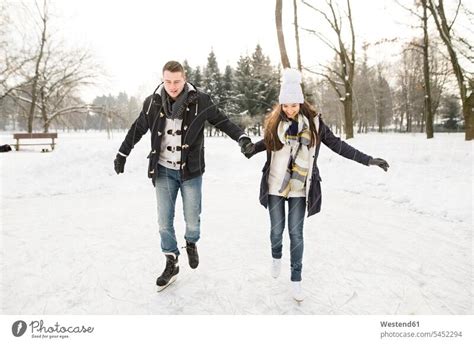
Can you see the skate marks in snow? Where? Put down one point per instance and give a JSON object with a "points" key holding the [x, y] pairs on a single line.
{"points": [[394, 262], [94, 247], [220, 287], [193, 293], [366, 259], [62, 263]]}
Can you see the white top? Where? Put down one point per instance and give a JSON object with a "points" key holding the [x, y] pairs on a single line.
{"points": [[170, 157], [278, 167]]}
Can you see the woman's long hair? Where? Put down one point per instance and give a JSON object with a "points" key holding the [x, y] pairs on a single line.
{"points": [[273, 119]]}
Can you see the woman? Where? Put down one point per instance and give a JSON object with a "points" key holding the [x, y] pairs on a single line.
{"points": [[293, 133]]}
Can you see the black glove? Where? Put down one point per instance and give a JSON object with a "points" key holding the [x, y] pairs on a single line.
{"points": [[250, 151], [119, 163], [5, 148], [247, 147], [380, 163]]}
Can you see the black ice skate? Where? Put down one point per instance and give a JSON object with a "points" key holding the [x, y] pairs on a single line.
{"points": [[171, 271], [193, 257]]}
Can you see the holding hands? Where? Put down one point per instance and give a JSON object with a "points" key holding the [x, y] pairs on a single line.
{"points": [[247, 147]]}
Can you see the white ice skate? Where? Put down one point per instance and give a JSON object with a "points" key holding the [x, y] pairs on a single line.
{"points": [[297, 291], [276, 267]]}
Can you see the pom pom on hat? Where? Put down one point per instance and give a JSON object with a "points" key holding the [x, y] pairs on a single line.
{"points": [[291, 76], [290, 91]]}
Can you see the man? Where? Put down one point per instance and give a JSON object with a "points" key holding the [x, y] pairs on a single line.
{"points": [[175, 114]]}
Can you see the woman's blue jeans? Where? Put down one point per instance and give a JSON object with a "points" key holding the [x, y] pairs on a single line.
{"points": [[296, 214]]}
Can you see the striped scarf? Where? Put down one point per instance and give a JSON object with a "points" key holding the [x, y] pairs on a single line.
{"points": [[298, 163]]}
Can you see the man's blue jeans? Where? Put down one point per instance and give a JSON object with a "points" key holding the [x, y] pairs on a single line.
{"points": [[296, 213], [167, 184]]}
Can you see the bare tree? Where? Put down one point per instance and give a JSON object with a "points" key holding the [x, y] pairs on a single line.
{"points": [[345, 52], [465, 46], [297, 39], [445, 30], [439, 74], [428, 112], [383, 100], [63, 74], [428, 116], [285, 61], [297, 36], [411, 91], [43, 14], [364, 93], [46, 82], [12, 60], [9, 71]]}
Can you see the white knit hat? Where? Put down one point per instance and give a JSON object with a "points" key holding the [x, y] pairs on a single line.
{"points": [[290, 91]]}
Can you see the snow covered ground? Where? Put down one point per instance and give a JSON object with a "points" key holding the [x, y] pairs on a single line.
{"points": [[78, 239]]}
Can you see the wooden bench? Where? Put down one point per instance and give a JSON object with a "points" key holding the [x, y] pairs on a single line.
{"points": [[22, 136]]}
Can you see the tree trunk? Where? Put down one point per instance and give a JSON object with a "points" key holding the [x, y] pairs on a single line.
{"points": [[281, 38], [348, 69], [444, 29], [468, 112], [44, 114], [348, 124], [297, 39], [428, 112], [31, 113], [297, 36], [401, 121]]}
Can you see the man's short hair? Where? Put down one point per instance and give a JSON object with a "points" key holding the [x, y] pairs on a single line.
{"points": [[173, 67]]}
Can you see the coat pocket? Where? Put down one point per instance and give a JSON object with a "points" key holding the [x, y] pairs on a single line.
{"points": [[195, 160]]}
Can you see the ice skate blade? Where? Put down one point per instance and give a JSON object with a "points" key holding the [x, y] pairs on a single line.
{"points": [[168, 284], [298, 299]]}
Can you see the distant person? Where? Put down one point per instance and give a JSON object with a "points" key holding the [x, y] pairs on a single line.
{"points": [[5, 148], [175, 114], [293, 133]]}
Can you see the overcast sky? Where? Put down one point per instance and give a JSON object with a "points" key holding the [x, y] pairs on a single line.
{"points": [[133, 39]]}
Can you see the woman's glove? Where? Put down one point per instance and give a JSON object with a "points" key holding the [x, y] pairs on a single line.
{"points": [[380, 163]]}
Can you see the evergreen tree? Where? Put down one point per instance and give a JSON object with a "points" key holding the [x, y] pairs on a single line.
{"points": [[229, 104], [188, 71], [197, 77], [227, 81], [266, 82], [212, 82], [451, 111], [256, 87], [245, 86]]}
